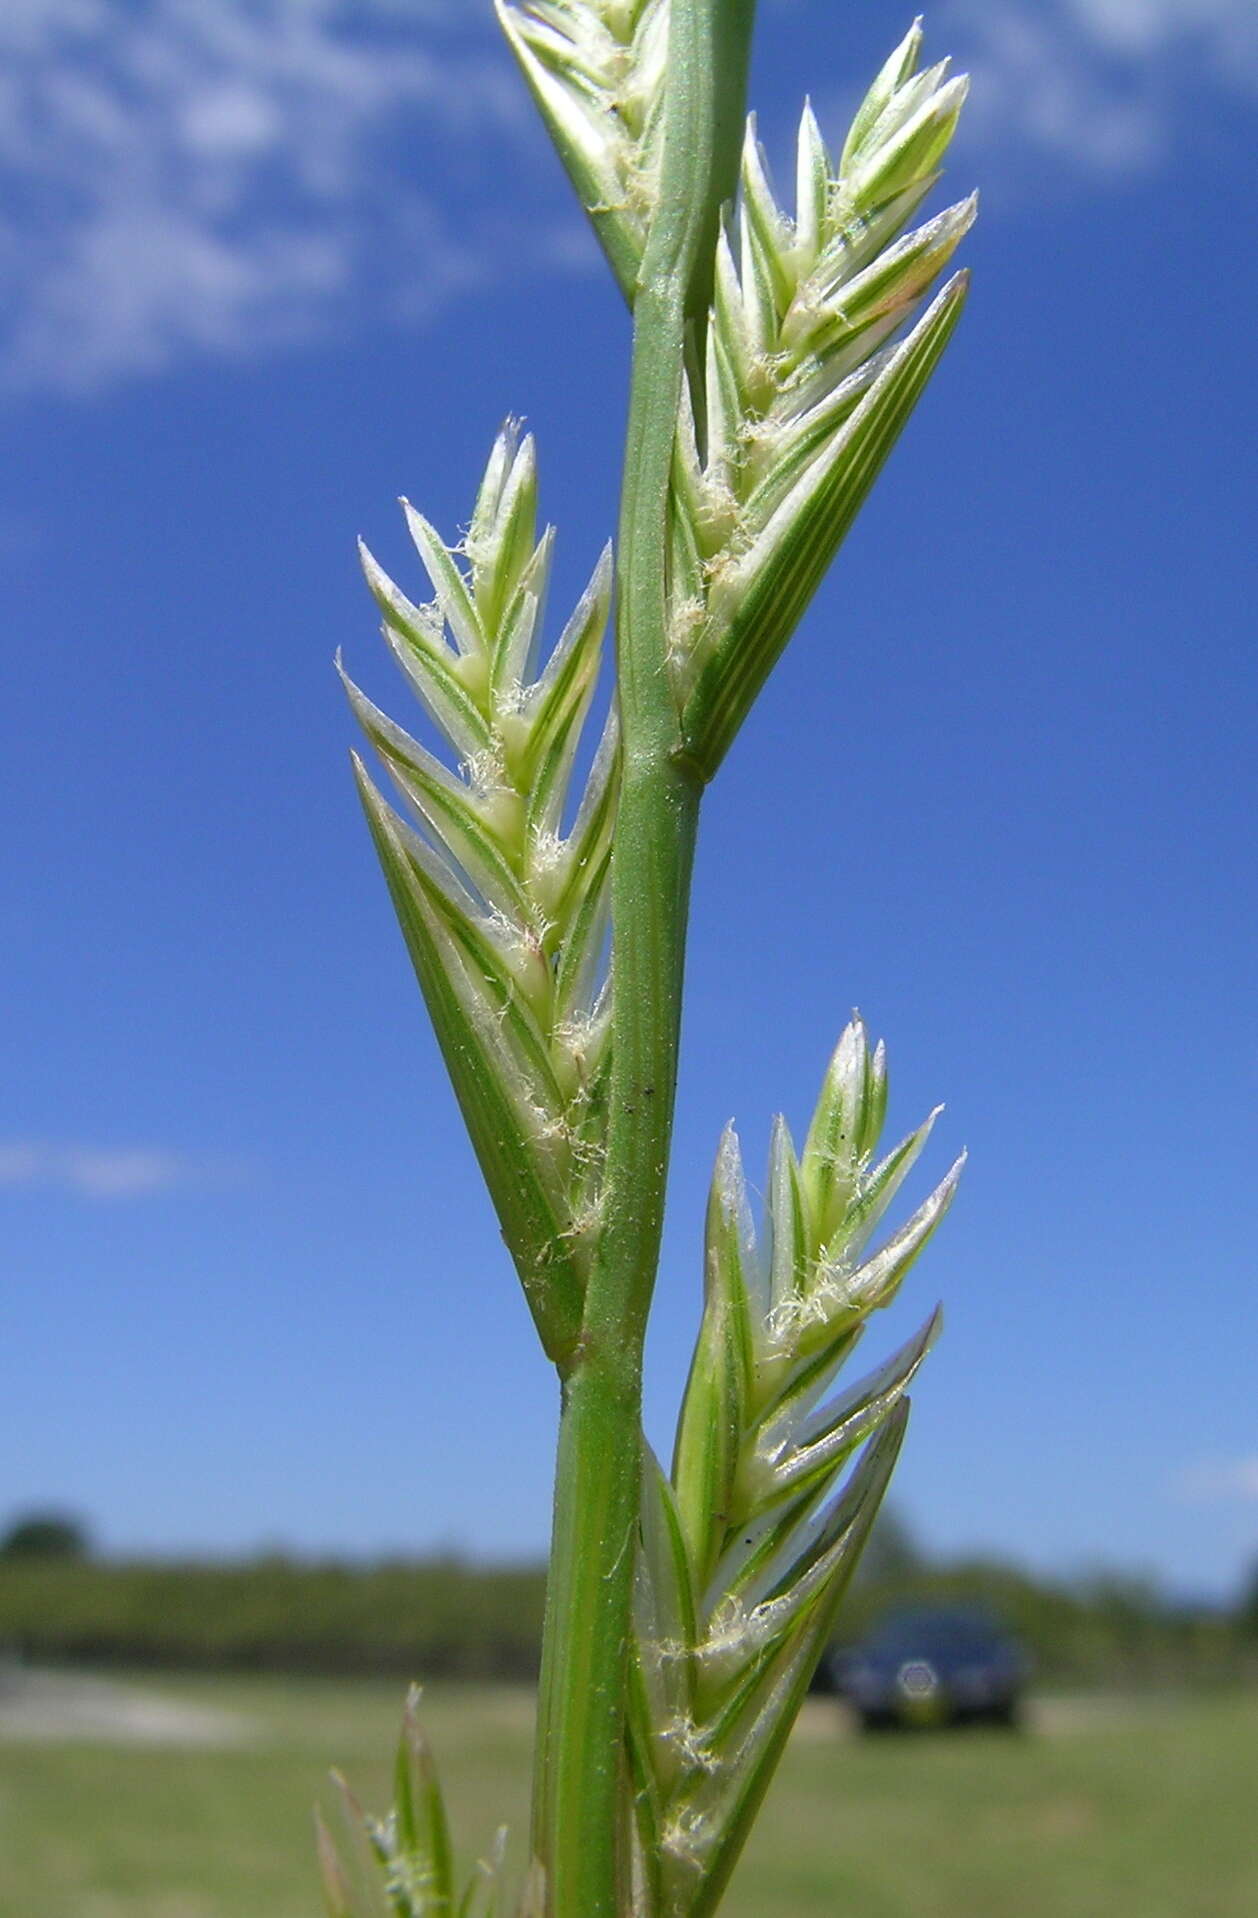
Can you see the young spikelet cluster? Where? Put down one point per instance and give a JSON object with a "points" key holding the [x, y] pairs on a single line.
{"points": [[805, 386], [503, 912], [402, 1866], [595, 68], [747, 1549]]}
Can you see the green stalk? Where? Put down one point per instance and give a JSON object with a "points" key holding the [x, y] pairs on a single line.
{"points": [[577, 1832]]}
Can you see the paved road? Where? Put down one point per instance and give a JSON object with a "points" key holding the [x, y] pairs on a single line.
{"points": [[57, 1706]]}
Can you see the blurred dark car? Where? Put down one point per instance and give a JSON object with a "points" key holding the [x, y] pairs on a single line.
{"points": [[934, 1666]]}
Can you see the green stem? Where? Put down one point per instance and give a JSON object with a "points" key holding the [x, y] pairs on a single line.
{"points": [[578, 1799]]}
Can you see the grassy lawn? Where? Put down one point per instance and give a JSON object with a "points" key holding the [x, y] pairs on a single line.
{"points": [[1102, 1812]]}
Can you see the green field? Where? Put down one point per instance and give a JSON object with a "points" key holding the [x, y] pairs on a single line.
{"points": [[1102, 1809]]}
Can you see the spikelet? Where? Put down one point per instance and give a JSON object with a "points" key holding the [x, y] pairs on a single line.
{"points": [[806, 383], [402, 1866], [596, 71], [748, 1547], [504, 914]]}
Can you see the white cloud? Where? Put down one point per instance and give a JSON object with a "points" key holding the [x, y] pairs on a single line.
{"points": [[104, 1172], [1219, 1481], [182, 178], [1224, 32], [1034, 85], [1096, 85]]}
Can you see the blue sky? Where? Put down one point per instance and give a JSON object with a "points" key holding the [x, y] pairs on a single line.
{"points": [[265, 266]]}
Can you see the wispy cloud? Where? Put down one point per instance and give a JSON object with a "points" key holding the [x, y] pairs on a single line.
{"points": [[177, 178], [105, 1172], [1098, 85], [1219, 1481], [1224, 33], [183, 180]]}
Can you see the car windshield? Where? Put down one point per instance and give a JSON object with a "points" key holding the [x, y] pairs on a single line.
{"points": [[957, 1633]]}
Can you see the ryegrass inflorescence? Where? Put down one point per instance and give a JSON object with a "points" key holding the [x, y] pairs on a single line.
{"points": [[776, 359]]}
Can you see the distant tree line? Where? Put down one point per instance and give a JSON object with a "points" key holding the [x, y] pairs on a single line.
{"points": [[437, 1619], [445, 1618]]}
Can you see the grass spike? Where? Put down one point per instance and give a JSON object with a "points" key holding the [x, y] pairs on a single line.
{"points": [[776, 359]]}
